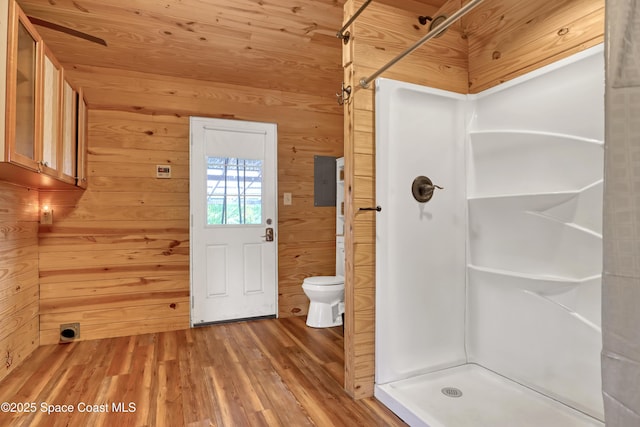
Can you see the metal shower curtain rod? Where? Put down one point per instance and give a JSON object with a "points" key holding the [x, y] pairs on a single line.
{"points": [[345, 36], [364, 82]]}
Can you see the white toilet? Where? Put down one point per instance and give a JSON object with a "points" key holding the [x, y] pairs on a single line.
{"points": [[326, 294]]}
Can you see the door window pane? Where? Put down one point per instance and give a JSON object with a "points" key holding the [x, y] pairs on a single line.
{"points": [[234, 191]]}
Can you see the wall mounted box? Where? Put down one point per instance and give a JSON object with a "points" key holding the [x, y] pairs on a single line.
{"points": [[324, 181]]}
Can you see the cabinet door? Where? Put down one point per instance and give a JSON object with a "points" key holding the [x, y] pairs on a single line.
{"points": [[52, 114], [69, 141], [23, 99], [83, 115]]}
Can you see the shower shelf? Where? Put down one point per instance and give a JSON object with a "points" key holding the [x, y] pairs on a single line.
{"points": [[532, 162], [564, 207], [514, 132], [570, 295], [562, 281], [540, 195], [559, 196]]}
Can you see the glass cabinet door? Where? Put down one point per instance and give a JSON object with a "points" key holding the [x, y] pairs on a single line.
{"points": [[69, 111], [81, 165], [26, 93], [23, 99], [52, 113]]}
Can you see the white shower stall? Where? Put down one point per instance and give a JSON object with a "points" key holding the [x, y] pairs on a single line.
{"points": [[488, 295]]}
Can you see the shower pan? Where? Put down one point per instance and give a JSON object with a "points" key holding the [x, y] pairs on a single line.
{"points": [[488, 291]]}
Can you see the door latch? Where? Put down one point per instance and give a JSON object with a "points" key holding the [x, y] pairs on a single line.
{"points": [[269, 234]]}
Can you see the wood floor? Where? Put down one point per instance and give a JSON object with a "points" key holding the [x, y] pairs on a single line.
{"points": [[273, 372]]}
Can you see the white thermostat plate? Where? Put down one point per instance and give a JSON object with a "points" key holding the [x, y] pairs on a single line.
{"points": [[163, 171]]}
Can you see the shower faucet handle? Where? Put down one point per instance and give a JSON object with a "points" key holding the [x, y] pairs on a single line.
{"points": [[422, 189], [431, 187]]}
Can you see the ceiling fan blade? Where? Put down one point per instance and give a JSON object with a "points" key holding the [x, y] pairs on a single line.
{"points": [[66, 30]]}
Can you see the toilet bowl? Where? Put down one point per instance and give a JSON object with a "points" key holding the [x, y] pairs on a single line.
{"points": [[326, 296], [326, 293]]}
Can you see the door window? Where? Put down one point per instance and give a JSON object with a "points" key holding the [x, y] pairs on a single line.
{"points": [[234, 191]]}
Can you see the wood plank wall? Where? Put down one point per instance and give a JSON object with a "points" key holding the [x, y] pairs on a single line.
{"points": [[463, 60], [117, 257], [18, 275], [508, 39], [379, 34]]}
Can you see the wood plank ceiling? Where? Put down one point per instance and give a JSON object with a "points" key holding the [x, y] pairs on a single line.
{"points": [[270, 44]]}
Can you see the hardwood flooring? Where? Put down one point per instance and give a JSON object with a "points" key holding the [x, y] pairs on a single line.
{"points": [[274, 372]]}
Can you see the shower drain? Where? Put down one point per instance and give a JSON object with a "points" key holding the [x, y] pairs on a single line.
{"points": [[451, 392]]}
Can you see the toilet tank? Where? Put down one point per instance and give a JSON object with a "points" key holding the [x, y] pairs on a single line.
{"points": [[340, 256]]}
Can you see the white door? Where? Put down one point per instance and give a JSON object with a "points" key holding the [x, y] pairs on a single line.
{"points": [[233, 199]]}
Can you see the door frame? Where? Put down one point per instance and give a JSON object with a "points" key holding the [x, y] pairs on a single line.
{"points": [[219, 123]]}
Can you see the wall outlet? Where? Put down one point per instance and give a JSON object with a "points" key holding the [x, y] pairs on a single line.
{"points": [[287, 198], [46, 218]]}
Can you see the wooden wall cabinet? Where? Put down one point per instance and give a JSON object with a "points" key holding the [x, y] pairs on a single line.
{"points": [[39, 144]]}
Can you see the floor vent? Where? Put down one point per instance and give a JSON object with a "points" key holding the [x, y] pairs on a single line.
{"points": [[69, 332]]}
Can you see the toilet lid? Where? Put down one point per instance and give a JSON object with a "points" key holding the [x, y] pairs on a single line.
{"points": [[324, 280]]}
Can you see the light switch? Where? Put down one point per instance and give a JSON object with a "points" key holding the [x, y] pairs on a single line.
{"points": [[287, 198]]}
